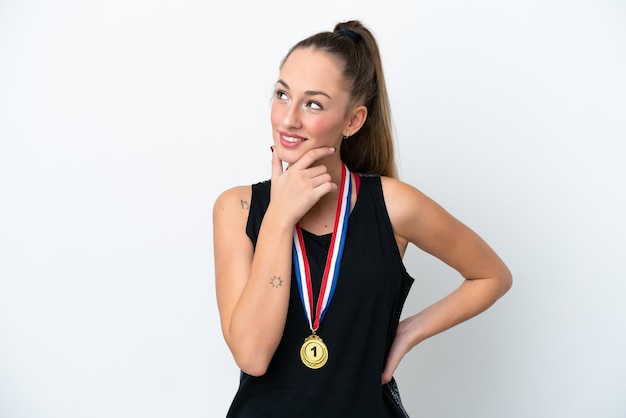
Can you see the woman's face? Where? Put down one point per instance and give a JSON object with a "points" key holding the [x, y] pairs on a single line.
{"points": [[309, 109]]}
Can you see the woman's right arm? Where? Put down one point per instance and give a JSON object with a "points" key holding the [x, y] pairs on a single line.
{"points": [[253, 286]]}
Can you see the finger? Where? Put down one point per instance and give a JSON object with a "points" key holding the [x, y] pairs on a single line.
{"points": [[393, 359], [324, 189], [315, 171], [384, 378], [321, 179], [387, 375], [277, 164], [313, 155]]}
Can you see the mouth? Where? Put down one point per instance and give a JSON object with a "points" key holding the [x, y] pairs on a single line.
{"points": [[290, 140]]}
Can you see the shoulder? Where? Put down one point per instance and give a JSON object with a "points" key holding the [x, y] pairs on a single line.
{"points": [[231, 209], [402, 200], [401, 197], [235, 197], [414, 216]]}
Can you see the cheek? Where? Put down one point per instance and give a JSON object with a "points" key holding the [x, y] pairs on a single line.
{"points": [[274, 115], [325, 127]]}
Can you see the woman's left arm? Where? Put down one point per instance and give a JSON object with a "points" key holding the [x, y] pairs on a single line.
{"points": [[419, 220]]}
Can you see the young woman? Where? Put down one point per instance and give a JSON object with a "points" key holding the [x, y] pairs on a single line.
{"points": [[309, 273]]}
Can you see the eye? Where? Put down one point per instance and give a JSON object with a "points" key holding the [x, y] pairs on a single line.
{"points": [[281, 95], [314, 105]]}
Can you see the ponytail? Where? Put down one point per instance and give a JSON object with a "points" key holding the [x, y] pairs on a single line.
{"points": [[370, 150]]}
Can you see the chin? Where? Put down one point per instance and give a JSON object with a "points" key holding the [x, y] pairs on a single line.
{"points": [[288, 156]]}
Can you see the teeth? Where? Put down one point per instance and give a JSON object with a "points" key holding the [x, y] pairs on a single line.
{"points": [[291, 139]]}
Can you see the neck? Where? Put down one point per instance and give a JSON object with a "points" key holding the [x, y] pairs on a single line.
{"points": [[333, 165], [320, 218]]}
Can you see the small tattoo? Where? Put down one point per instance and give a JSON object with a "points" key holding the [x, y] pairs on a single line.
{"points": [[276, 282], [245, 205]]}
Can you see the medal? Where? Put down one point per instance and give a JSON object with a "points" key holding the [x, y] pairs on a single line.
{"points": [[314, 353]]}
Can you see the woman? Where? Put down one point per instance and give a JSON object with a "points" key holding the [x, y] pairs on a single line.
{"points": [[309, 273]]}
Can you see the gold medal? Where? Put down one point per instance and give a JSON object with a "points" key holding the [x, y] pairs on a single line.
{"points": [[314, 353]]}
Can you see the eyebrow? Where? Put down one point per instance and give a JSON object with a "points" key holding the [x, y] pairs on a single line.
{"points": [[308, 92]]}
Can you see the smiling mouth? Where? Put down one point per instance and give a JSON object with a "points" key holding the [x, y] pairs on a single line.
{"points": [[292, 139]]}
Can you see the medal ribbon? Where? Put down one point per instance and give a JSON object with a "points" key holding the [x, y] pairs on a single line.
{"points": [[333, 260]]}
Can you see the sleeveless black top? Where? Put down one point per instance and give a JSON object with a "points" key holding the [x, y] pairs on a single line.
{"points": [[358, 327]]}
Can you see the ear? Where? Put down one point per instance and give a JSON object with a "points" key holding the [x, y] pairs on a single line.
{"points": [[356, 119]]}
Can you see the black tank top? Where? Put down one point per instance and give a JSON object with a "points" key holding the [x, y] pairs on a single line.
{"points": [[358, 327]]}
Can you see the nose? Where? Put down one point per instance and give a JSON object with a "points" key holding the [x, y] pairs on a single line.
{"points": [[292, 117]]}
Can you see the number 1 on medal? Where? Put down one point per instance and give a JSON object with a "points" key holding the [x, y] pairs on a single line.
{"points": [[314, 353]]}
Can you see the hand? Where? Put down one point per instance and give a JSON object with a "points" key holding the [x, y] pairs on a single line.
{"points": [[299, 188], [400, 346]]}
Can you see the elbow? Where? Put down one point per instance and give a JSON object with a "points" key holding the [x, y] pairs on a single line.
{"points": [[250, 359], [254, 371], [252, 355], [252, 365], [506, 281]]}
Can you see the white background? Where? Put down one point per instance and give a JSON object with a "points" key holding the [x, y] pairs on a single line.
{"points": [[121, 121]]}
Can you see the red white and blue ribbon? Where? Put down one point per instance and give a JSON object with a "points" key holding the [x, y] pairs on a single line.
{"points": [[333, 260]]}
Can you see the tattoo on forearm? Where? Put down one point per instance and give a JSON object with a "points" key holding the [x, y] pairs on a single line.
{"points": [[245, 205], [276, 282]]}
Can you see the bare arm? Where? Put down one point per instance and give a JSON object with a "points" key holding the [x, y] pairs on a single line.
{"points": [[253, 285], [252, 288], [419, 220]]}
